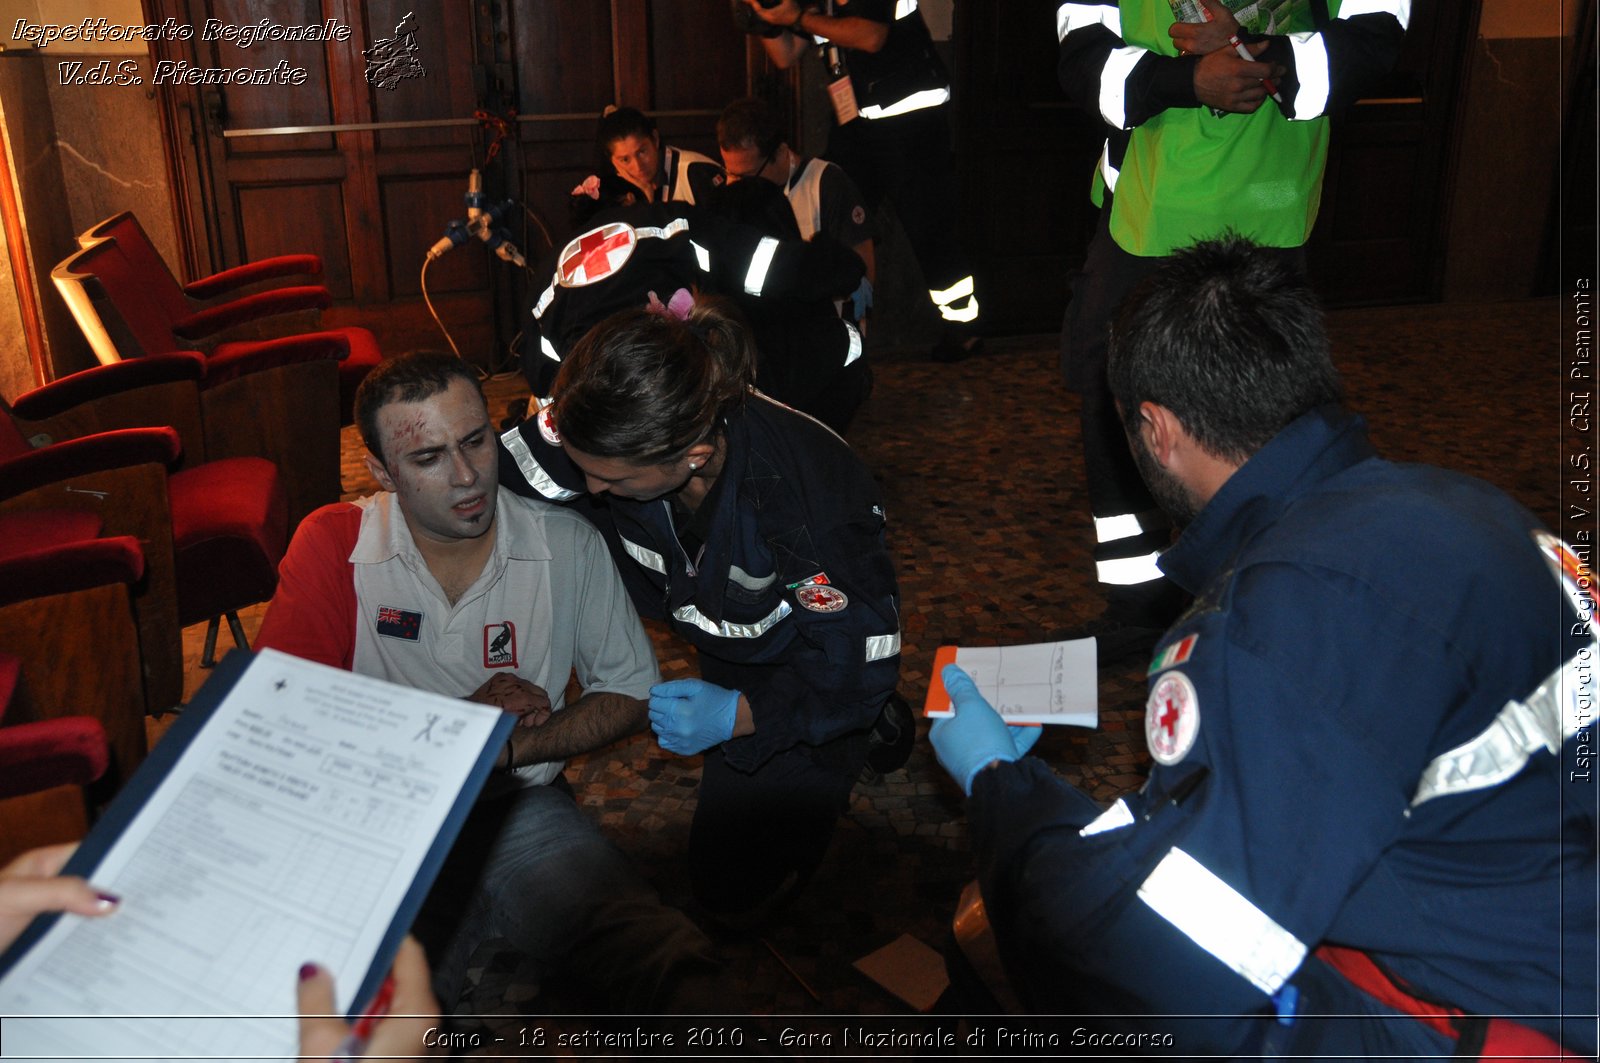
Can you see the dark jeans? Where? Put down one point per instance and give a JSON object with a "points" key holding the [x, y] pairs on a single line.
{"points": [[530, 867]]}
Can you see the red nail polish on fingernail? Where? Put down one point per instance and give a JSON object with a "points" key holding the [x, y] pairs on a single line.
{"points": [[107, 900], [308, 971]]}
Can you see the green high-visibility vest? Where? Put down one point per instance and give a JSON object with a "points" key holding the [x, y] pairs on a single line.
{"points": [[1189, 174]]}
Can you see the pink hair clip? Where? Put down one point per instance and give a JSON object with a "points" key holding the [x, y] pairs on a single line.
{"points": [[677, 307]]}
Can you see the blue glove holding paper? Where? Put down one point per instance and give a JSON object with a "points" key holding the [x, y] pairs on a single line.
{"points": [[975, 736], [690, 716]]}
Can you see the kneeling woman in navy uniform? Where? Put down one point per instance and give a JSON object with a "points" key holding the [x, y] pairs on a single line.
{"points": [[758, 536]]}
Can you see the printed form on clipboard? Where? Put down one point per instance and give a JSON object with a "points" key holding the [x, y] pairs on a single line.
{"points": [[294, 813], [1045, 682]]}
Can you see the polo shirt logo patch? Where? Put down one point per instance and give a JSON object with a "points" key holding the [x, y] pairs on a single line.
{"points": [[1171, 718], [396, 623], [500, 645]]}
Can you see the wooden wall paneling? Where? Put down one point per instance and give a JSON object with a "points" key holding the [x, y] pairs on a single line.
{"points": [[630, 54], [258, 106], [352, 105], [552, 158], [1385, 202], [697, 56], [422, 172], [445, 93], [416, 209], [308, 215], [565, 59]]}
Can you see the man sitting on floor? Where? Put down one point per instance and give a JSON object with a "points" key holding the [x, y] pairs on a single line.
{"points": [[446, 583]]}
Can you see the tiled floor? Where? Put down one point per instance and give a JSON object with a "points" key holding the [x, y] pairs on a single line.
{"points": [[990, 530]]}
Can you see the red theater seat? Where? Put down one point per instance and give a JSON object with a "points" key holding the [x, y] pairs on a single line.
{"points": [[212, 532]]}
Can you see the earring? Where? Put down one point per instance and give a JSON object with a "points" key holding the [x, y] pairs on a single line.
{"points": [[691, 466]]}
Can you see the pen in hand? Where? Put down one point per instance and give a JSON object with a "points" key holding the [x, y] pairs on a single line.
{"points": [[1244, 53], [354, 1046]]}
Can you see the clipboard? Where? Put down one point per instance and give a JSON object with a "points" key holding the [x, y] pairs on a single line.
{"points": [[472, 750]]}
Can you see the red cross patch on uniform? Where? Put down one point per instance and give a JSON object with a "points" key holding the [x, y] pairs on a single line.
{"points": [[597, 254], [500, 645], [821, 598], [547, 426], [1171, 718]]}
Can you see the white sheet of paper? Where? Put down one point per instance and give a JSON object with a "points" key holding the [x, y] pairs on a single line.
{"points": [[1045, 682], [289, 831]]}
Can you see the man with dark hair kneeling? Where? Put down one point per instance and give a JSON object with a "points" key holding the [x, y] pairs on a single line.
{"points": [[445, 582], [1361, 835]]}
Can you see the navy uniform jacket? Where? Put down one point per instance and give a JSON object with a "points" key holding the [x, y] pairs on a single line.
{"points": [[794, 579], [1357, 626]]}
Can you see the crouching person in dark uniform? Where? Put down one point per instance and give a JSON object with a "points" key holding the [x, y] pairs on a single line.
{"points": [[630, 253], [1362, 835], [758, 535]]}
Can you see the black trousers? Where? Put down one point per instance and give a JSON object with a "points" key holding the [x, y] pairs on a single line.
{"points": [[907, 160], [752, 830], [1115, 487]]}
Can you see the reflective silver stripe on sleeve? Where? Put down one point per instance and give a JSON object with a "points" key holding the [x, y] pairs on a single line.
{"points": [[1126, 571], [749, 582], [1071, 17], [760, 262], [1114, 84], [645, 556], [1400, 9], [690, 615], [548, 349], [915, 102], [855, 344], [531, 470], [545, 299], [1118, 815], [1121, 526], [1222, 921], [1559, 708], [702, 256], [881, 646], [1311, 68]]}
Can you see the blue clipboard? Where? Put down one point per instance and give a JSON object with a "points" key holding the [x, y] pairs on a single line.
{"points": [[130, 800]]}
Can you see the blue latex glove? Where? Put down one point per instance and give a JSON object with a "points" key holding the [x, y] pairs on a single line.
{"points": [[975, 736], [861, 300], [690, 716]]}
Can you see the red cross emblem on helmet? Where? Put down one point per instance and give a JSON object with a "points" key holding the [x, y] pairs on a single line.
{"points": [[597, 254]]}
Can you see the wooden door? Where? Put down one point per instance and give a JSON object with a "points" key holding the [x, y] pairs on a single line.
{"points": [[369, 176]]}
